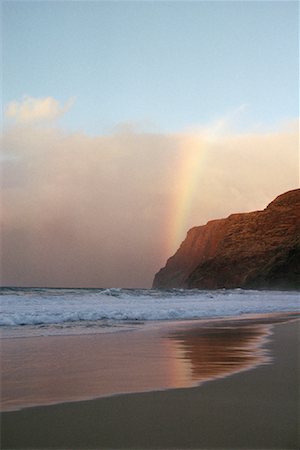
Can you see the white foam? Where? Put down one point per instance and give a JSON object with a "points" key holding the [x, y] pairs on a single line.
{"points": [[47, 306]]}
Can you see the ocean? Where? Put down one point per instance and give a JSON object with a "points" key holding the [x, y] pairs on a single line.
{"points": [[29, 312]]}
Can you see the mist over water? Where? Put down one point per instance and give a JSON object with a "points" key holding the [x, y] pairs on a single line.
{"points": [[105, 211]]}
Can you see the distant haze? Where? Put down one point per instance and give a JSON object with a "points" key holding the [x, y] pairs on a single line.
{"points": [[128, 122], [105, 210]]}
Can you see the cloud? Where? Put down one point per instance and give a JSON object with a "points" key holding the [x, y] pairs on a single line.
{"points": [[32, 110], [100, 211]]}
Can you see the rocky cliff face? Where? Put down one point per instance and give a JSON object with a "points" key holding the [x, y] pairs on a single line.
{"points": [[260, 249]]}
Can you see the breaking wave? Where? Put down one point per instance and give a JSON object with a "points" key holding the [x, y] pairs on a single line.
{"points": [[38, 306]]}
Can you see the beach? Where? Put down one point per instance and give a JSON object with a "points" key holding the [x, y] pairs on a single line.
{"points": [[150, 225], [204, 384]]}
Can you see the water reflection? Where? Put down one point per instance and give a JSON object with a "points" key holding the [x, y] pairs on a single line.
{"points": [[39, 371], [214, 352]]}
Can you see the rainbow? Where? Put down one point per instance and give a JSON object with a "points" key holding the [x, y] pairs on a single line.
{"points": [[191, 153]]}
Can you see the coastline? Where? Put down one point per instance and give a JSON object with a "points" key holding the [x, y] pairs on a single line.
{"points": [[257, 408], [157, 356]]}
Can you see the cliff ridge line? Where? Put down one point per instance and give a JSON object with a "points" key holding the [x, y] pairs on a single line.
{"points": [[257, 249]]}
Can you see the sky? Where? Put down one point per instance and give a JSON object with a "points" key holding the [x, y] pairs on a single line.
{"points": [[128, 122]]}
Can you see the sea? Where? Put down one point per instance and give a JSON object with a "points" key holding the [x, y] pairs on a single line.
{"points": [[26, 312]]}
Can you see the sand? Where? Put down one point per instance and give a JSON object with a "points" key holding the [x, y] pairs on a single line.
{"points": [[249, 396]]}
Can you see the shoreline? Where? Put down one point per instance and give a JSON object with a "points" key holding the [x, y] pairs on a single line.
{"points": [[144, 325], [156, 357], [223, 412]]}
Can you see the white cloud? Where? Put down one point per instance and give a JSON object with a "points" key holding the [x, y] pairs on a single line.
{"points": [[32, 110]]}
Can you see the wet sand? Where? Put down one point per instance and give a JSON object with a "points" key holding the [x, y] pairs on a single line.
{"points": [[257, 406]]}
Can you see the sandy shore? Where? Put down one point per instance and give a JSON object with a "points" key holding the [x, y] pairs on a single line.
{"points": [[257, 406]]}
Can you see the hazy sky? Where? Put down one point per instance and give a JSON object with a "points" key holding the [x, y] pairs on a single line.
{"points": [[126, 123]]}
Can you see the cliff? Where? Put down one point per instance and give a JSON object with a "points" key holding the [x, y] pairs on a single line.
{"points": [[259, 249]]}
